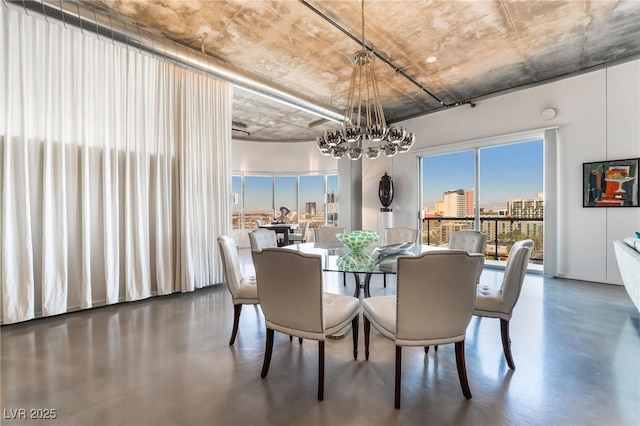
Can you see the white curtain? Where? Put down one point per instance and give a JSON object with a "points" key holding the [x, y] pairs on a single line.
{"points": [[115, 168]]}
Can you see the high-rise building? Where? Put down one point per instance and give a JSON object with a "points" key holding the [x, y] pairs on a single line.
{"points": [[531, 208], [458, 203], [310, 208], [468, 200]]}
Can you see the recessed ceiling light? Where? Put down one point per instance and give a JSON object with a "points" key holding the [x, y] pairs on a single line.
{"points": [[432, 59]]}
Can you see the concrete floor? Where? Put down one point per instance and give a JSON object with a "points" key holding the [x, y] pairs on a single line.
{"points": [[166, 361]]}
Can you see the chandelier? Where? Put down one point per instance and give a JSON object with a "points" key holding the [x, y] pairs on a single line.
{"points": [[364, 129]]}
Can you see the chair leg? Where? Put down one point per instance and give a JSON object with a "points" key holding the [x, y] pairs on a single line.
{"points": [[354, 333], [462, 370], [320, 370], [384, 280], [300, 340], [398, 374], [344, 279], [367, 331], [267, 353], [506, 343], [236, 320]]}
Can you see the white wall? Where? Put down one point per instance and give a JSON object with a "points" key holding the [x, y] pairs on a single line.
{"points": [[279, 157], [598, 119]]}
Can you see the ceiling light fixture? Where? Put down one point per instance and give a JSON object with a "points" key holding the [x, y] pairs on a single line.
{"points": [[364, 129]]}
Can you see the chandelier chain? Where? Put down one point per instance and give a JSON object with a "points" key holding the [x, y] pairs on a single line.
{"points": [[365, 105]]}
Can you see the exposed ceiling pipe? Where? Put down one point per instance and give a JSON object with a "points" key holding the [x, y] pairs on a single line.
{"points": [[73, 14], [395, 68]]}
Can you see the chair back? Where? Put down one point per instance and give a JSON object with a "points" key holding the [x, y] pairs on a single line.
{"points": [[435, 296], [400, 234], [231, 263], [259, 223], [468, 240], [290, 291], [327, 235], [262, 238], [514, 273], [305, 229]]}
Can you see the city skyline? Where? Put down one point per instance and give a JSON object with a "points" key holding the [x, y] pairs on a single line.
{"points": [[506, 172]]}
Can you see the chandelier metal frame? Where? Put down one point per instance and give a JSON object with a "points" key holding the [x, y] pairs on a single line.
{"points": [[364, 129]]}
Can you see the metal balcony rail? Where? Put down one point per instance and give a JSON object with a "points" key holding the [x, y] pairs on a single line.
{"points": [[502, 233]]}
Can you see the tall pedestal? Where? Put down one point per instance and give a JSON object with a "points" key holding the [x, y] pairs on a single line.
{"points": [[385, 220]]}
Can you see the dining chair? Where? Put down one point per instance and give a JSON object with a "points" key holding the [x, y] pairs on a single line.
{"points": [[290, 290], [495, 301], [262, 238], [470, 241], [398, 235], [433, 306], [243, 289], [327, 235], [300, 237]]}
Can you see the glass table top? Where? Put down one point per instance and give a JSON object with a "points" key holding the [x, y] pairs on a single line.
{"points": [[372, 260]]}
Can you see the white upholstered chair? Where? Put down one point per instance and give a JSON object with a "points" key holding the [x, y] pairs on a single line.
{"points": [[468, 240], [326, 235], [433, 306], [291, 297], [243, 289], [499, 301], [300, 236], [399, 235], [262, 238]]}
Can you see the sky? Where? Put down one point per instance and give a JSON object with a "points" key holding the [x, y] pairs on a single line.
{"points": [[506, 172]]}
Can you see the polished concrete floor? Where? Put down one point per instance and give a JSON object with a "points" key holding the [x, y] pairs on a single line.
{"points": [[166, 361]]}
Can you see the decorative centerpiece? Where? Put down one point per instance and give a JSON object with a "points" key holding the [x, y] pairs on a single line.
{"points": [[356, 241], [356, 262]]}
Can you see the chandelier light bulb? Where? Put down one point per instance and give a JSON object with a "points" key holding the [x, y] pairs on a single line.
{"points": [[396, 134], [333, 137], [373, 152], [352, 133], [354, 153]]}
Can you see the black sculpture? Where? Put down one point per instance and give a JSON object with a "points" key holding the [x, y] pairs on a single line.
{"points": [[385, 192]]}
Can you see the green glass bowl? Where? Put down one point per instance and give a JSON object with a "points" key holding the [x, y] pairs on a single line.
{"points": [[356, 262], [356, 241]]}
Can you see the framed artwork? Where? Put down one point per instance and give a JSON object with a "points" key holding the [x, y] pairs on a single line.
{"points": [[611, 183]]}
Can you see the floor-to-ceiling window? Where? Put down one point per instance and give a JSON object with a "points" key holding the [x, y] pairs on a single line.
{"points": [[265, 197], [285, 198], [331, 200], [497, 189], [312, 190], [257, 200], [236, 210]]}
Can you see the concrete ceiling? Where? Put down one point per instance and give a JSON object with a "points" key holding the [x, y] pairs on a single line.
{"points": [[483, 47]]}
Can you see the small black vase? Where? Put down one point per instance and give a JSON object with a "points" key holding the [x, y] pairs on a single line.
{"points": [[385, 191]]}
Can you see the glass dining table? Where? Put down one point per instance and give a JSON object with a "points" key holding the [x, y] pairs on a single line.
{"points": [[363, 265]]}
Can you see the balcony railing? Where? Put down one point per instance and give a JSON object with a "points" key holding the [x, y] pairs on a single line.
{"points": [[502, 233]]}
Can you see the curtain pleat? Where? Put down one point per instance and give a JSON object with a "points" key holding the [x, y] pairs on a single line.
{"points": [[115, 177]]}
